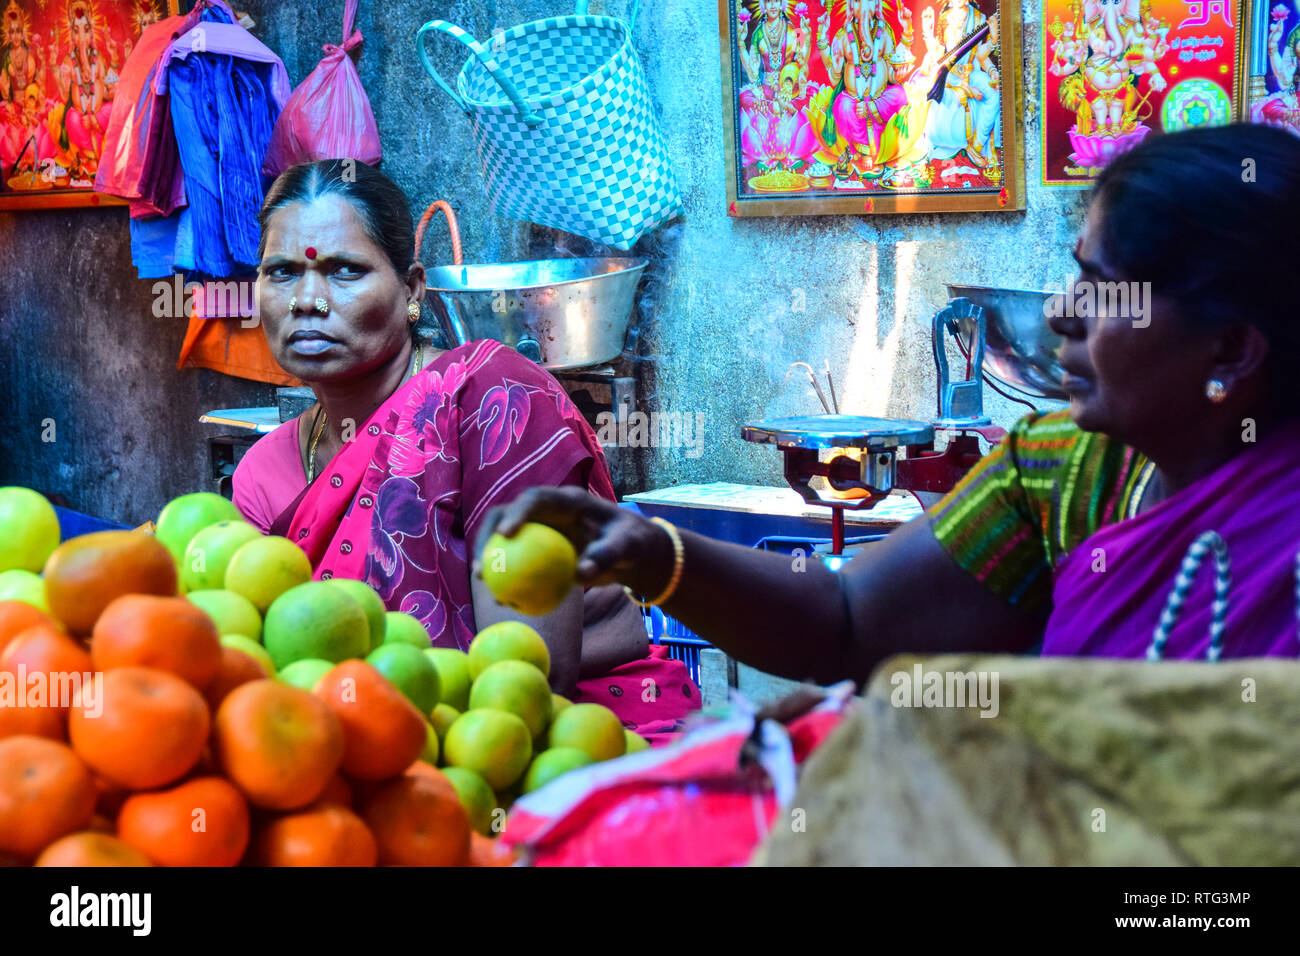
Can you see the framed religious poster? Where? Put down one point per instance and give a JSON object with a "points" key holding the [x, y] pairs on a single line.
{"points": [[1272, 51], [1117, 71], [59, 63], [871, 106]]}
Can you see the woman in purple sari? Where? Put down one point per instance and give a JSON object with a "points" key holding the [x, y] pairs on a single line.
{"points": [[388, 478], [1068, 537]]}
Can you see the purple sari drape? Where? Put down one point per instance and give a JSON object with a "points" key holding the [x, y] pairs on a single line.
{"points": [[1110, 590]]}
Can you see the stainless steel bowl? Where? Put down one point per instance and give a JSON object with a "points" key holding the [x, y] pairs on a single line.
{"points": [[562, 313], [1020, 349]]}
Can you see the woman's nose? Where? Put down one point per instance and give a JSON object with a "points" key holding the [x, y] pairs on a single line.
{"points": [[1061, 318], [307, 290]]}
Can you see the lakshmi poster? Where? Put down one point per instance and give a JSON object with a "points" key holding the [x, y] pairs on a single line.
{"points": [[59, 63], [870, 105], [1117, 71], [1272, 52]]}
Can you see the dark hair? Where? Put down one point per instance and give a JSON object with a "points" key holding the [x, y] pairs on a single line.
{"points": [[1208, 216], [380, 202]]}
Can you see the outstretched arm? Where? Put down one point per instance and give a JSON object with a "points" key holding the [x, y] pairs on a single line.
{"points": [[796, 619]]}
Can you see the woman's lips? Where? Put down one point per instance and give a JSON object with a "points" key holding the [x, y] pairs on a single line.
{"points": [[1075, 384], [310, 342]]}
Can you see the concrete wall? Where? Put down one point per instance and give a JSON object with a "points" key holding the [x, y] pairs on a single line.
{"points": [[78, 343]]}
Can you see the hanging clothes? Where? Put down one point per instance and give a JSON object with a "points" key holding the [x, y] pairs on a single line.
{"points": [[227, 90], [139, 161]]}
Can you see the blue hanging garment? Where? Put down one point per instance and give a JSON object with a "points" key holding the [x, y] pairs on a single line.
{"points": [[226, 90]]}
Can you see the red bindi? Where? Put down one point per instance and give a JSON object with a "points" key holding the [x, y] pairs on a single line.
{"points": [[311, 252]]}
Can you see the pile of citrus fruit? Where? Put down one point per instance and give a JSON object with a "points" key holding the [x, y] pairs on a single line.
{"points": [[191, 697]]}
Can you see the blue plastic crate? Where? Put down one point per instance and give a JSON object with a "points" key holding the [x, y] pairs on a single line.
{"points": [[73, 524], [683, 644]]}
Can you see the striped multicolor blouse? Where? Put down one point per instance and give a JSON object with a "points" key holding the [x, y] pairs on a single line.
{"points": [[1043, 489]]}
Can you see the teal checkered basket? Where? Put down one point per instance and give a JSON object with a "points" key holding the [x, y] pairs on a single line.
{"points": [[564, 126]]}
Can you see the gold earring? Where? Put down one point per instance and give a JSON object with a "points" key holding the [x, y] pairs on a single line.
{"points": [[413, 310], [1215, 390]]}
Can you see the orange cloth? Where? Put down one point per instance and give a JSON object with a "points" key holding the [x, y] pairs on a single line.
{"points": [[225, 345]]}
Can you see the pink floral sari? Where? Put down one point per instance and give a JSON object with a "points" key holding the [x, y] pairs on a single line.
{"points": [[401, 505]]}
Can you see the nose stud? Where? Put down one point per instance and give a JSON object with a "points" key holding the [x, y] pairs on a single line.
{"points": [[319, 305]]}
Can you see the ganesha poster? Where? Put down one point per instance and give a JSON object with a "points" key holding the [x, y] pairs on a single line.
{"points": [[1117, 71], [59, 64], [871, 106]]}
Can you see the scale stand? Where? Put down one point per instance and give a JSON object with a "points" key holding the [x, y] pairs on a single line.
{"points": [[879, 470]]}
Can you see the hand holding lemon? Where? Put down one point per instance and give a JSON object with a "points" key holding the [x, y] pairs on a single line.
{"points": [[612, 545], [531, 572]]}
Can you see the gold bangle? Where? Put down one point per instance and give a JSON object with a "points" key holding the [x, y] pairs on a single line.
{"points": [[679, 561]]}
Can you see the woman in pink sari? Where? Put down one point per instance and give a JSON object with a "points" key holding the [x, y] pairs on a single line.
{"points": [[388, 478]]}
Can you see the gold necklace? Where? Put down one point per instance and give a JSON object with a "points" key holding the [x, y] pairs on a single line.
{"points": [[318, 429]]}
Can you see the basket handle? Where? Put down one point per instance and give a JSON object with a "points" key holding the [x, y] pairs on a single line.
{"points": [[484, 56], [633, 12], [452, 227], [1207, 542]]}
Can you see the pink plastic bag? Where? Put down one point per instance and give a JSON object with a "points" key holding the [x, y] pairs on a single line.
{"points": [[328, 116], [707, 800]]}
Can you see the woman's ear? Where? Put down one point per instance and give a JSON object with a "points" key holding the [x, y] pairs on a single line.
{"points": [[416, 282], [1242, 353]]}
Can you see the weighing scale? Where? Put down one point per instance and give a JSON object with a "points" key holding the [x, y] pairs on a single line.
{"points": [[878, 468]]}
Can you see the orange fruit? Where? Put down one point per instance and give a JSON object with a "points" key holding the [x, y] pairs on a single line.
{"points": [[383, 733], [45, 792], [336, 791], [151, 731], [485, 851], [19, 719], [18, 616], [48, 651], [85, 574], [237, 669], [168, 633], [91, 848], [109, 798], [418, 820], [323, 835], [202, 822], [277, 743]]}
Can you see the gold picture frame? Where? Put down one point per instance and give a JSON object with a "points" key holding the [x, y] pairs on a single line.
{"points": [[59, 61], [863, 107]]}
